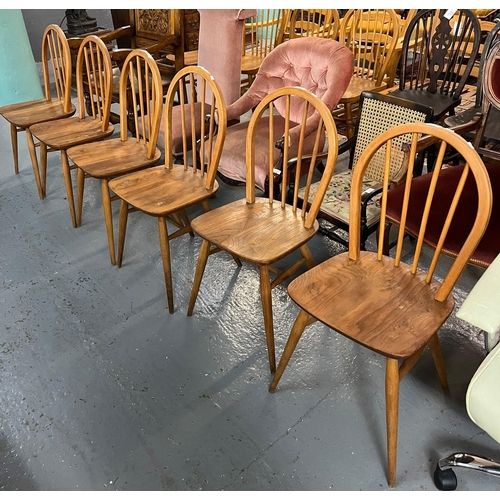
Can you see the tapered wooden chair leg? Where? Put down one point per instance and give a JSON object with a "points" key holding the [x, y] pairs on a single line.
{"points": [[69, 187], [306, 253], [15, 152], [198, 275], [122, 230], [267, 308], [108, 219], [34, 163], [43, 165], [298, 328], [392, 408], [80, 187], [437, 356], [165, 255]]}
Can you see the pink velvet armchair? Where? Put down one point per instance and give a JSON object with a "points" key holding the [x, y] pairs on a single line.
{"points": [[322, 66]]}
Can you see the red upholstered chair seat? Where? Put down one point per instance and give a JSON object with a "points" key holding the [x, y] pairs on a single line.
{"points": [[489, 246]]}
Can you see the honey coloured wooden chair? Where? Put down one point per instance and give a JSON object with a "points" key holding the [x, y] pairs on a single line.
{"points": [[167, 191], [261, 34], [371, 35], [56, 63], [323, 23], [93, 67], [391, 305], [108, 159], [262, 230]]}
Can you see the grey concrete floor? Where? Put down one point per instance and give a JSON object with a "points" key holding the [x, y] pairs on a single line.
{"points": [[102, 389]]}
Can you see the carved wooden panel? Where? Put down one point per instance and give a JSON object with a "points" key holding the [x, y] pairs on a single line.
{"points": [[153, 22]]}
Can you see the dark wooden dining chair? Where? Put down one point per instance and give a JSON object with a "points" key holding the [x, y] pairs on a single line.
{"points": [[167, 191], [262, 230], [108, 159], [93, 67], [393, 306], [56, 61], [438, 53]]}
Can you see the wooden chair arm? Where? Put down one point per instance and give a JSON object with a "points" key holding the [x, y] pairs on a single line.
{"points": [[426, 141], [75, 42]]}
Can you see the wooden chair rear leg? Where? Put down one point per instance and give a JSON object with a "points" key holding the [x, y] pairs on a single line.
{"points": [[34, 162], [80, 186], [349, 121], [187, 222], [43, 165], [165, 255], [392, 408], [69, 187], [200, 269], [437, 356], [306, 253], [267, 308], [108, 219], [298, 328], [122, 229], [15, 152]]}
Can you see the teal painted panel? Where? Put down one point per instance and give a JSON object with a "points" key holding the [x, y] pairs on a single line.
{"points": [[19, 80]]}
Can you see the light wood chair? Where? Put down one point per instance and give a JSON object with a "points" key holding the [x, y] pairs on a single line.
{"points": [[56, 63], [324, 23], [390, 305], [157, 31], [261, 33], [168, 190], [141, 82], [94, 67], [371, 35], [262, 230]]}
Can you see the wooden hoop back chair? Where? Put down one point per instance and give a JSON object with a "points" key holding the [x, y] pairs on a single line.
{"points": [[262, 230], [261, 34], [93, 70], [56, 63], [167, 191], [391, 305], [140, 82], [371, 35], [322, 23]]}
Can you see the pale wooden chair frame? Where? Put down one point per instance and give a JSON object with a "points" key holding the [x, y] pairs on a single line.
{"points": [[56, 61], [141, 82], [374, 312], [168, 190], [260, 36], [358, 33], [309, 27], [94, 65], [279, 228]]}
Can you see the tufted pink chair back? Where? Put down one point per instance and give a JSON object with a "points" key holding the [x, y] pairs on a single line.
{"points": [[322, 66]]}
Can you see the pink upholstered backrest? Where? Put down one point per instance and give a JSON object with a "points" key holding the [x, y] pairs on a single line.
{"points": [[322, 66]]}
